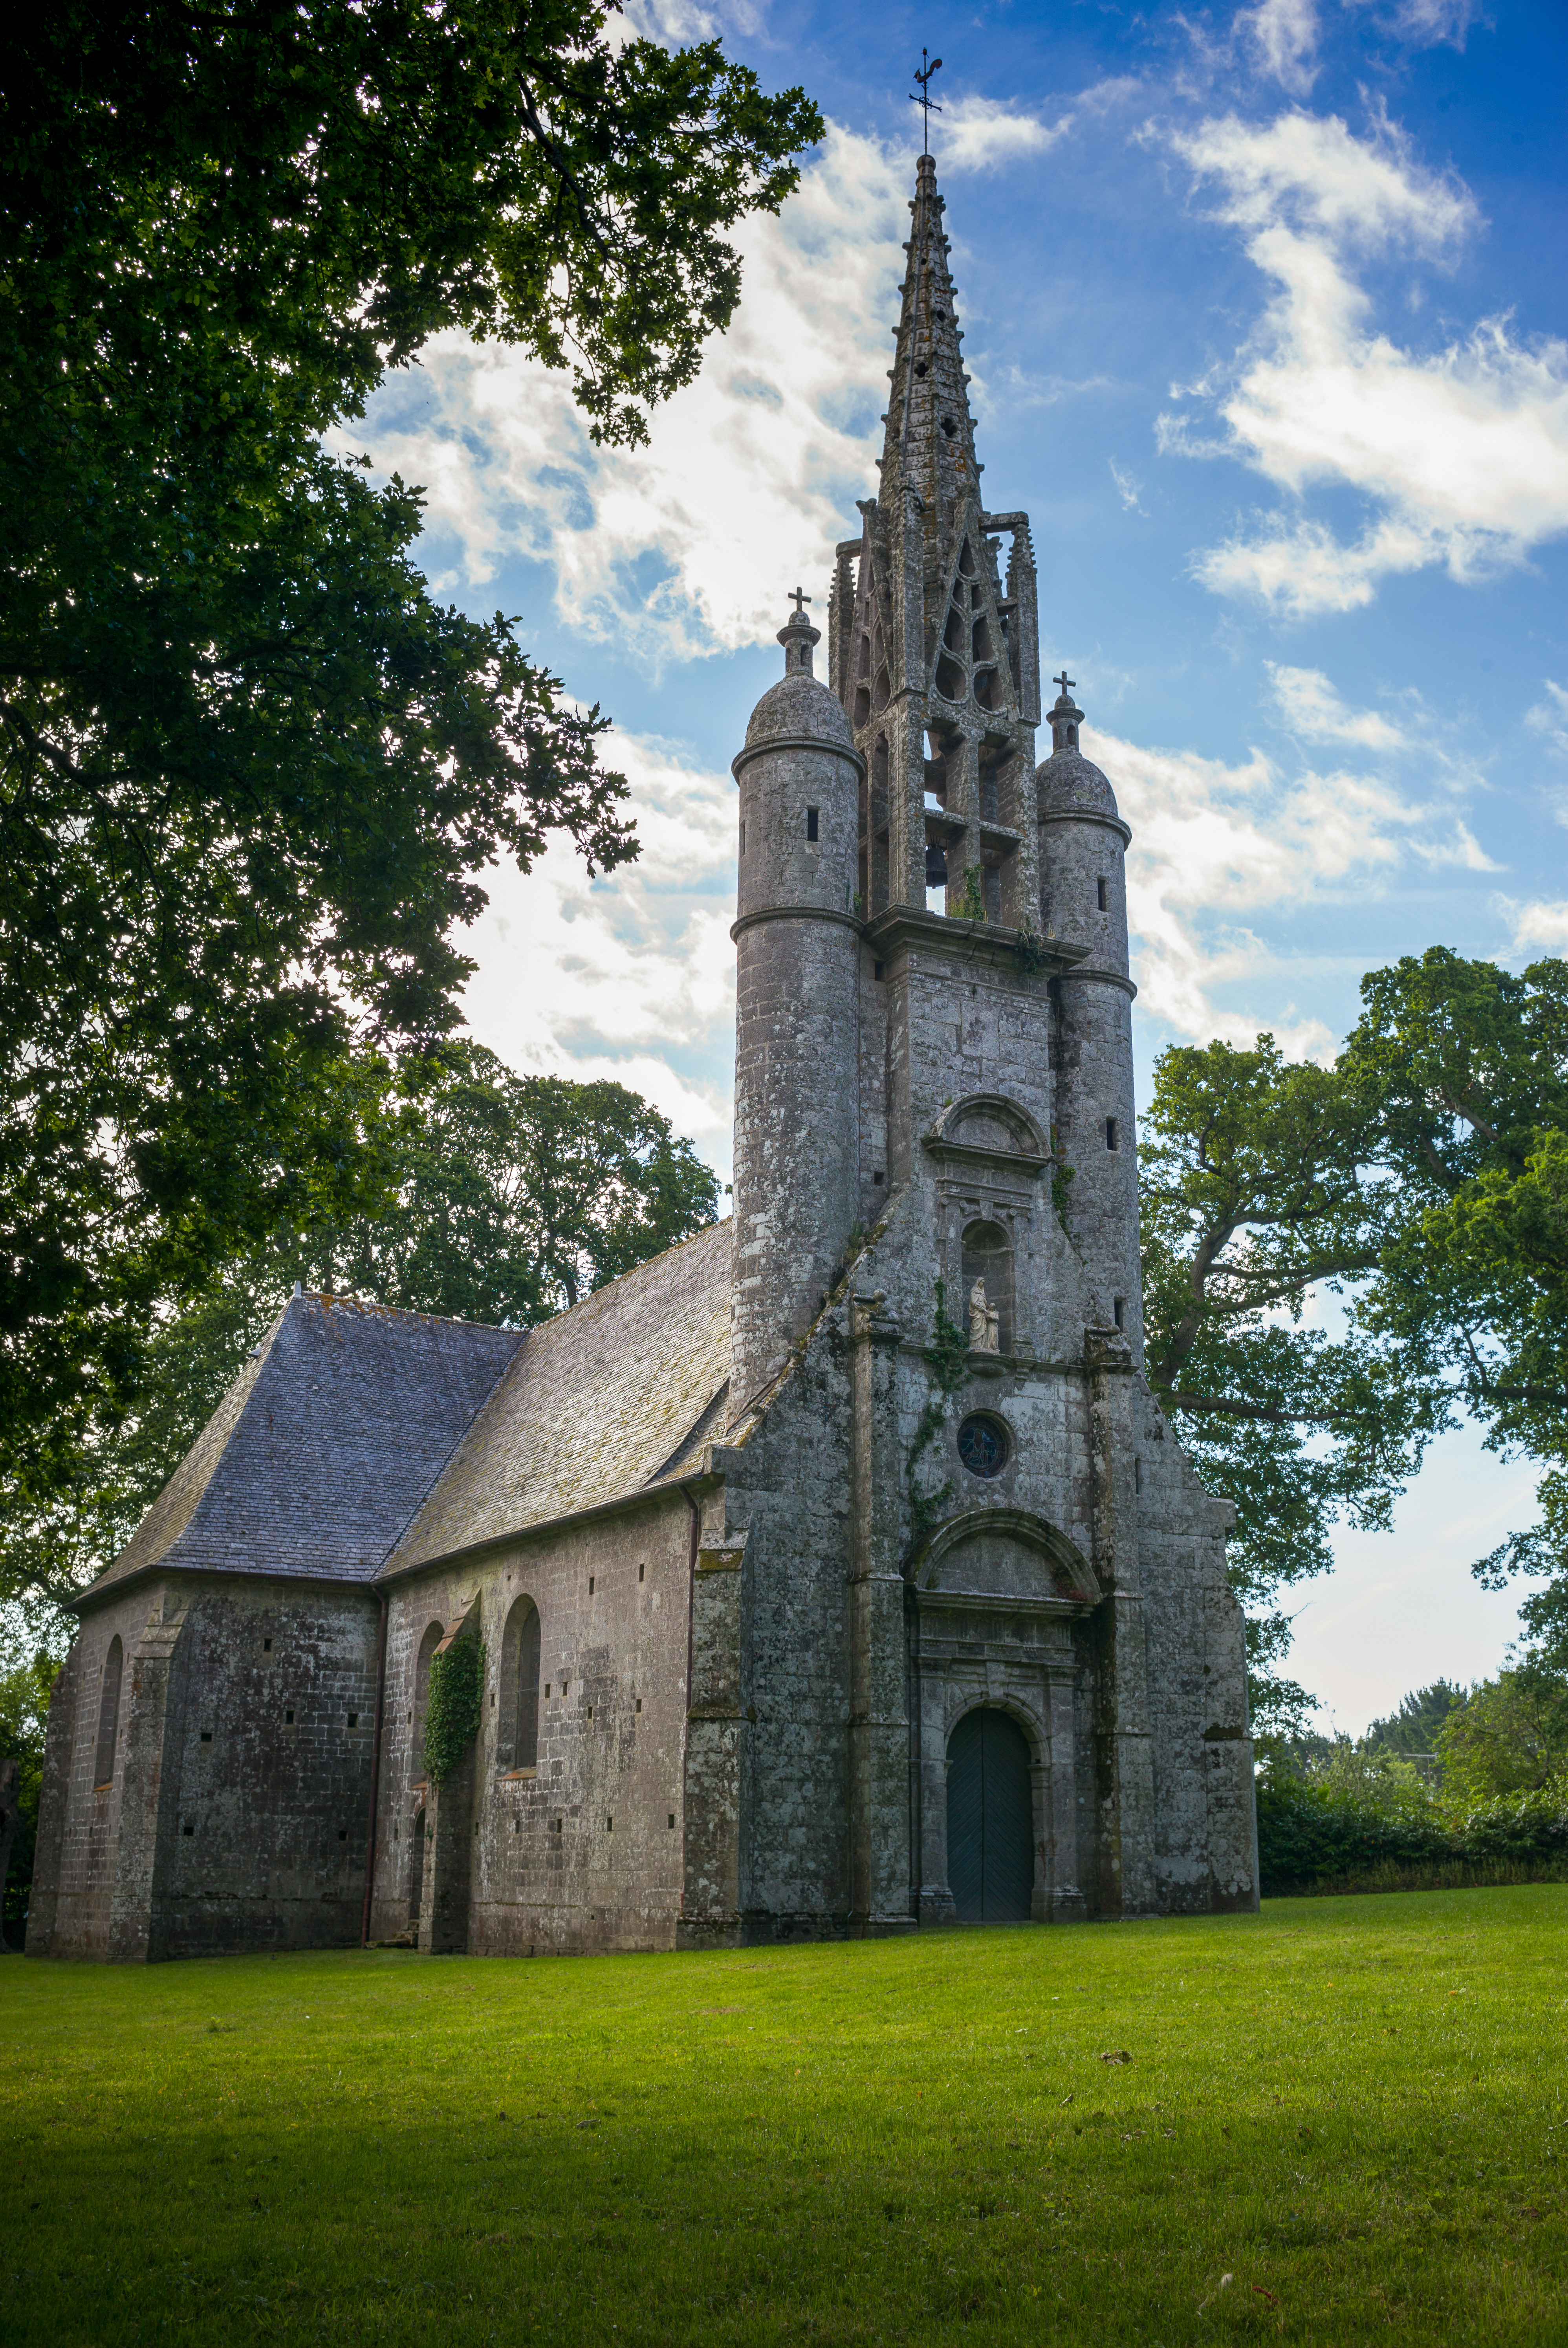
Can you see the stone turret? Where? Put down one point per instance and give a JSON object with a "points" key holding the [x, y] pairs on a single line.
{"points": [[797, 1121], [1083, 897]]}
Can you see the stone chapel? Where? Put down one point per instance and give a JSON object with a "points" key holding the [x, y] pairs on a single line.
{"points": [[838, 1572]]}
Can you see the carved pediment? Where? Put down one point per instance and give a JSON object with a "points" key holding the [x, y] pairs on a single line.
{"points": [[988, 1131], [991, 1560]]}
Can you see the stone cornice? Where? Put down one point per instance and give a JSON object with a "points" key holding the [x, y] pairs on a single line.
{"points": [[795, 913], [797, 742], [1088, 815], [987, 941]]}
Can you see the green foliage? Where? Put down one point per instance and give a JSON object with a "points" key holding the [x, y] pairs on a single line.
{"points": [[1415, 1196], [970, 904], [252, 773], [913, 2137], [499, 1197], [452, 1715], [1509, 1737], [24, 1721], [947, 1360], [1414, 1727], [1319, 1833]]}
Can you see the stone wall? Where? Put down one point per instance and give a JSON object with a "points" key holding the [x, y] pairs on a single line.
{"points": [[236, 1813], [576, 1853]]}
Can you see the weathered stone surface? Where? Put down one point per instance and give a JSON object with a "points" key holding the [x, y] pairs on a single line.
{"points": [[751, 1532]]}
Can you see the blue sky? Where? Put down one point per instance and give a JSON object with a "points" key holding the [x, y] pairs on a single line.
{"points": [[1263, 312]]}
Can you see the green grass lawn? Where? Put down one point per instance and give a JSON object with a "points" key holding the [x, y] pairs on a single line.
{"points": [[1341, 2116]]}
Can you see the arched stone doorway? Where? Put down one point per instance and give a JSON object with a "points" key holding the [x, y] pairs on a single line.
{"points": [[990, 1819]]}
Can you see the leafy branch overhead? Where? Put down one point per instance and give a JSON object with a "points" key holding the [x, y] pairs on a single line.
{"points": [[252, 773]]}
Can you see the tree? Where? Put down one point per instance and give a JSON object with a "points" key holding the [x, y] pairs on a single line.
{"points": [[505, 1200], [249, 771], [1340, 1262], [1415, 1726], [1510, 1735], [1257, 1195], [24, 1720]]}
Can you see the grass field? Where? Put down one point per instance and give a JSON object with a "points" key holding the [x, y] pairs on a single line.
{"points": [[1339, 2118]]}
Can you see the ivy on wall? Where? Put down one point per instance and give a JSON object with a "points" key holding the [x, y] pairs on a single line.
{"points": [[452, 1716]]}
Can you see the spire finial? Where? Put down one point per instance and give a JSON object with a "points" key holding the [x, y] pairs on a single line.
{"points": [[1065, 715], [797, 636], [928, 65]]}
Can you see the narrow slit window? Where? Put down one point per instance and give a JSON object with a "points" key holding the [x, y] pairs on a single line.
{"points": [[590, 1585], [1102, 888], [518, 1744], [108, 1714], [742, 835], [811, 823], [1119, 1309], [640, 1571], [1113, 1137]]}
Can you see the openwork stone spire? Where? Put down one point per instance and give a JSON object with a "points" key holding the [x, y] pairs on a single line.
{"points": [[930, 436], [935, 659]]}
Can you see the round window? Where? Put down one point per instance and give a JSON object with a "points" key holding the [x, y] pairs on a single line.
{"points": [[983, 1445]]}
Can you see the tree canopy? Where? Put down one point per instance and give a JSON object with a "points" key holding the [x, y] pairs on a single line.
{"points": [[250, 771], [1340, 1262]]}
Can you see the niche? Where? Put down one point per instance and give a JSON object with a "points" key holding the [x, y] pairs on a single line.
{"points": [[988, 1260]]}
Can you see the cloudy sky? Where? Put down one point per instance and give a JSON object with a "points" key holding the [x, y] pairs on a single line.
{"points": [[1264, 313]]}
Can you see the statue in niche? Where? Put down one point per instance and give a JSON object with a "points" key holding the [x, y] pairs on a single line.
{"points": [[984, 1322]]}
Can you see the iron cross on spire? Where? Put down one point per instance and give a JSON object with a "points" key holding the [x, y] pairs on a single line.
{"points": [[928, 65], [798, 598]]}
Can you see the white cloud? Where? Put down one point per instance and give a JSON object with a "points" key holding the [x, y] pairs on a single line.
{"points": [[1283, 34], [1426, 23], [1463, 451], [1311, 707], [631, 976], [1541, 922], [1549, 719], [1217, 846], [982, 134], [1129, 488], [689, 544]]}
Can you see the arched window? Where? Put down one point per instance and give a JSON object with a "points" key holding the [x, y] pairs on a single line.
{"points": [[987, 1262], [427, 1646], [108, 1714], [517, 1745]]}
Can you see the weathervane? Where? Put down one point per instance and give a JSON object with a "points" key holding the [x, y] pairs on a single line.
{"points": [[923, 73]]}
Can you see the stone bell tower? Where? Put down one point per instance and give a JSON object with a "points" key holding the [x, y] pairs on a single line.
{"points": [[979, 1656]]}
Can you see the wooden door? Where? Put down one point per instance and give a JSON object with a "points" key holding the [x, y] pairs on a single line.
{"points": [[990, 1820]]}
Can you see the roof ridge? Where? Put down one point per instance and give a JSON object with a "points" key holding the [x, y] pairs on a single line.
{"points": [[341, 1297], [631, 1272]]}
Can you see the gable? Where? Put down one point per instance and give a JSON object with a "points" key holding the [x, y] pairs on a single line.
{"points": [[324, 1447]]}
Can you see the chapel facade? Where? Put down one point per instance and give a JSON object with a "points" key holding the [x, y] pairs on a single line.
{"points": [[837, 1571]]}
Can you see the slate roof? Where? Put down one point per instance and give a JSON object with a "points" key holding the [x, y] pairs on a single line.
{"points": [[615, 1394], [324, 1446]]}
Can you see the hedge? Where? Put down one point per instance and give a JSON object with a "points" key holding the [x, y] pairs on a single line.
{"points": [[1309, 1836]]}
